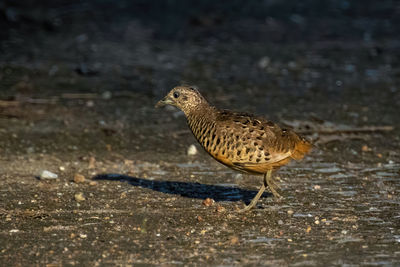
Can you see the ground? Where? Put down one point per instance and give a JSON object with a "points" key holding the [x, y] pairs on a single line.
{"points": [[78, 91]]}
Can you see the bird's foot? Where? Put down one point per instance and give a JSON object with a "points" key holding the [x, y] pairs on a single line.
{"points": [[248, 207]]}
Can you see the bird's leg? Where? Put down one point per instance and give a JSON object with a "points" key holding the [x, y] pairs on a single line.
{"points": [[268, 180], [255, 199]]}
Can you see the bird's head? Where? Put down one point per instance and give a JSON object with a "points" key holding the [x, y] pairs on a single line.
{"points": [[186, 98]]}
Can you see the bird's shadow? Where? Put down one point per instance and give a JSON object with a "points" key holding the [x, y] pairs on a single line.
{"points": [[186, 189]]}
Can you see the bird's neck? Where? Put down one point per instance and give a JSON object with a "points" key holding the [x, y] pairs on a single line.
{"points": [[201, 122], [203, 111]]}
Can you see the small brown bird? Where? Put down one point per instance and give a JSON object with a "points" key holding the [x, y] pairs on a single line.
{"points": [[240, 141]]}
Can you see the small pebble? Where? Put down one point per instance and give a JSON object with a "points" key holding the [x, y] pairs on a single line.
{"points": [[264, 62], [365, 148], [48, 175], [234, 240], [128, 162], [238, 176], [79, 197], [192, 150], [92, 162], [90, 103], [220, 209], [208, 202], [79, 178], [106, 95], [290, 212], [61, 168], [280, 222]]}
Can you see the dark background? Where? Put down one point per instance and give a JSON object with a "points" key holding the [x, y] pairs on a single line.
{"points": [[315, 50], [182, 21]]}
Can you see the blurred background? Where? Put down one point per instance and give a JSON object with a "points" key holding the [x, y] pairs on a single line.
{"points": [[148, 46]]}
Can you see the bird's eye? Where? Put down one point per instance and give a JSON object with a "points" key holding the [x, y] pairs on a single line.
{"points": [[176, 94]]}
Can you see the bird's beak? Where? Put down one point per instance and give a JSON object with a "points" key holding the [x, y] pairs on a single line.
{"points": [[165, 101]]}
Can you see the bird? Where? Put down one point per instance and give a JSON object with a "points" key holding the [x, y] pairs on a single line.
{"points": [[241, 141]]}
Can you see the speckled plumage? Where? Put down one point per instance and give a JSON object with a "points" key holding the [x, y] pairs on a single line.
{"points": [[240, 141]]}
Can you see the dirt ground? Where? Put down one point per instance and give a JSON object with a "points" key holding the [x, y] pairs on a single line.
{"points": [[78, 84]]}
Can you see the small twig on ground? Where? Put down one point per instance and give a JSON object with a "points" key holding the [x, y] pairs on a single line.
{"points": [[8, 103], [41, 101], [324, 139], [80, 96], [181, 132]]}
